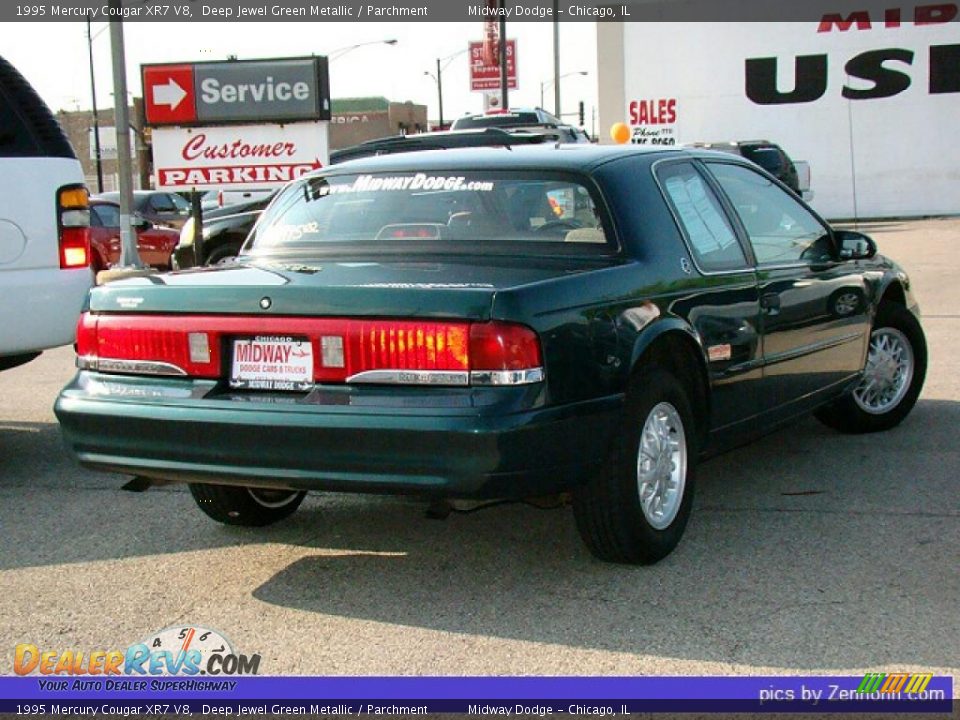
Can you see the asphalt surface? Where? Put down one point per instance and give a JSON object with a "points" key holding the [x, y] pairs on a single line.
{"points": [[807, 552]]}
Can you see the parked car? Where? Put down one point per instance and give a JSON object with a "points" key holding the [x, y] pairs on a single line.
{"points": [[493, 323], [219, 198], [162, 208], [523, 119], [772, 158], [44, 234], [223, 234], [154, 244], [446, 140]]}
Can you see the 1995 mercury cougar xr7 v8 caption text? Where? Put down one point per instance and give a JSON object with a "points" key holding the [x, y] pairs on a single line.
{"points": [[496, 323]]}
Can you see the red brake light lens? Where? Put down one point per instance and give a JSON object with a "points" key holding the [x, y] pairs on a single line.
{"points": [[503, 346], [344, 350]]}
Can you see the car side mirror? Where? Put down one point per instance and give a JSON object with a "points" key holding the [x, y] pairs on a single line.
{"points": [[140, 222], [855, 245]]}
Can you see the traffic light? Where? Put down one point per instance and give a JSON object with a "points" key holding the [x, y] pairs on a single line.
{"points": [[583, 120]]}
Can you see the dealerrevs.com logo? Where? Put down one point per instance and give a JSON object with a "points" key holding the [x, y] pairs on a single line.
{"points": [[185, 651]]}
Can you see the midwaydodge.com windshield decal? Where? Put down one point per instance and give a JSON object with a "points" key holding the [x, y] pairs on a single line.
{"points": [[420, 181]]}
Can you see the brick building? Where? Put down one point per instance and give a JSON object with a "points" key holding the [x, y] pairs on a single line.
{"points": [[356, 120]]}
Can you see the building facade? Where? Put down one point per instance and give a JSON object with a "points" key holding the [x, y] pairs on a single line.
{"points": [[872, 103]]}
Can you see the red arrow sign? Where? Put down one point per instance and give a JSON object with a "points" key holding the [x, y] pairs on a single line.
{"points": [[168, 94]]}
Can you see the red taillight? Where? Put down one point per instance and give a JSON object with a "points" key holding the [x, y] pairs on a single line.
{"points": [[73, 224], [503, 346], [407, 345], [87, 335], [355, 351]]}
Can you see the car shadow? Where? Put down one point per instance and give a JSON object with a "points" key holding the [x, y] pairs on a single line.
{"points": [[831, 555], [842, 548]]}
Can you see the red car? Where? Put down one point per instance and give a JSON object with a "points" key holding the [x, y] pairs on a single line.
{"points": [[155, 244]]}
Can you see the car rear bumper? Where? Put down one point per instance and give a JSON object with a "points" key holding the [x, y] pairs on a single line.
{"points": [[43, 305], [461, 444]]}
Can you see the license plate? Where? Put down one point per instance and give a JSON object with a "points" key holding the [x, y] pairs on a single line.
{"points": [[269, 362]]}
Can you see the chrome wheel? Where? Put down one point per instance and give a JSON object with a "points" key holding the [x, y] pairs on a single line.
{"points": [[272, 498], [846, 304], [889, 371], [662, 465]]}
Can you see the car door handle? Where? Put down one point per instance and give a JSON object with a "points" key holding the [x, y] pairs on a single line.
{"points": [[770, 302]]}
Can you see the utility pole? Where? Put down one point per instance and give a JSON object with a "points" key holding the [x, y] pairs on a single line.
{"points": [[504, 105], [129, 256], [556, 58], [96, 121]]}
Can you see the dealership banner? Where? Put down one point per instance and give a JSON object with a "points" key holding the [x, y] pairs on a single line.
{"points": [[145, 694], [237, 157]]}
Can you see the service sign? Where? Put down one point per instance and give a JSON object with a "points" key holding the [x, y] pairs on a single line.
{"points": [[237, 157], [236, 92]]}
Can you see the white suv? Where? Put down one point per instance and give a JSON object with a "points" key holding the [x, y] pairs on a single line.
{"points": [[44, 226]]}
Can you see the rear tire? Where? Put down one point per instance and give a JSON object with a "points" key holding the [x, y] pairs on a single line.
{"points": [[635, 512], [248, 507], [893, 378], [222, 255]]}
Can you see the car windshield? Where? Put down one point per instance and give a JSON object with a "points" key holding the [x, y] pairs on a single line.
{"points": [[441, 212]]}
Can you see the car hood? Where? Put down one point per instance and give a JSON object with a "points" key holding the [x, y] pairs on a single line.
{"points": [[456, 289]]}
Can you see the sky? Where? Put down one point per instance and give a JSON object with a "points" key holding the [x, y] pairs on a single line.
{"points": [[54, 58]]}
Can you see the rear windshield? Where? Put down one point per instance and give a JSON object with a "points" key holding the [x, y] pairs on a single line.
{"points": [[447, 212], [518, 119]]}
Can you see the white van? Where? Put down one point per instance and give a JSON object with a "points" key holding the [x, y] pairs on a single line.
{"points": [[44, 226]]}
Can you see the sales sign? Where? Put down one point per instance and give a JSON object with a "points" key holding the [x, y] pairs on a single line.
{"points": [[236, 91], [485, 76], [237, 157]]}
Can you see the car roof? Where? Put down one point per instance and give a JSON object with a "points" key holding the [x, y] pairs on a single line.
{"points": [[113, 194], [552, 156]]}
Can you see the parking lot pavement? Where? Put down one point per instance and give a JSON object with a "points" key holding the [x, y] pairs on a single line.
{"points": [[808, 552]]}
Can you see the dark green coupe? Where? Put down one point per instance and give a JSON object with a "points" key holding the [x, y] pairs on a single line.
{"points": [[497, 323]]}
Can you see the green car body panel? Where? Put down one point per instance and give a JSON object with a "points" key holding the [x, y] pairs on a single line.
{"points": [[599, 317]]}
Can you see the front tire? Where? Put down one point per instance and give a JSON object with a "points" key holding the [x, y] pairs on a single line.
{"points": [[635, 512], [892, 379], [248, 507]]}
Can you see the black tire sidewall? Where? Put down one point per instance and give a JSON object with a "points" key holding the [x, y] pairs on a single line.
{"points": [[847, 416], [607, 508], [221, 252], [234, 505], [651, 390]]}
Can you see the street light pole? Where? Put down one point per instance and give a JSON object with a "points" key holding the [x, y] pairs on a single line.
{"points": [[556, 84], [341, 51], [96, 122], [440, 91], [556, 60], [129, 257]]}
